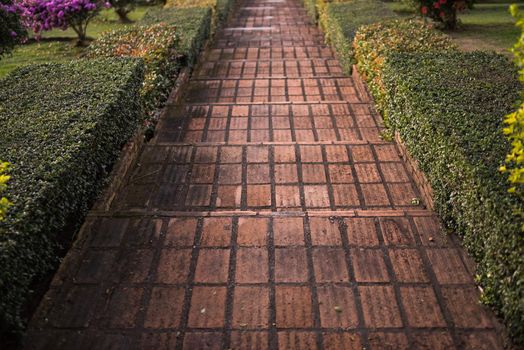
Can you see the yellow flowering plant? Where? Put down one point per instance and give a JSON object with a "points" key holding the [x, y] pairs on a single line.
{"points": [[4, 177]]}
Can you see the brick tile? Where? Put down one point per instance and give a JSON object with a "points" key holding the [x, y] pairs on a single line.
{"points": [[133, 266], [316, 196], [375, 195], [380, 307], [216, 232], [430, 232], [337, 307], [237, 135], [361, 232], [297, 340], [231, 154], [369, 265], [336, 154], [421, 306], [438, 340], [291, 265], [330, 265], [396, 231], [164, 340], [313, 173], [304, 135], [252, 265], [123, 307], [206, 154], [324, 231], [95, 266], [448, 266], [340, 173], [229, 196], [173, 266], [249, 340], [165, 307], [346, 195], [288, 231], [489, 340], [258, 174], [402, 194], [251, 307], [408, 265], [259, 195], [257, 154], [207, 307], [362, 154], [230, 174], [181, 232], [344, 340], [286, 173], [387, 153], [198, 195], [367, 173], [284, 154], [212, 266], [389, 341], [394, 172], [311, 154], [203, 340], [293, 307], [252, 231], [287, 196], [77, 309], [465, 308]]}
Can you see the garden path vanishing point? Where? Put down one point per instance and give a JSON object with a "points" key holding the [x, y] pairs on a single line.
{"points": [[267, 213]]}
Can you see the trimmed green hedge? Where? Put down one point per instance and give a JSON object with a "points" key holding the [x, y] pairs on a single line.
{"points": [[220, 9], [192, 25], [63, 126], [449, 109], [156, 45], [375, 42], [340, 22]]}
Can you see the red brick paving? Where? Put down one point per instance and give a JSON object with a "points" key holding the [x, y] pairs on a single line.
{"points": [[267, 213]]}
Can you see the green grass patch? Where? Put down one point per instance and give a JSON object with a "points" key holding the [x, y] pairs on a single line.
{"points": [[63, 50]]}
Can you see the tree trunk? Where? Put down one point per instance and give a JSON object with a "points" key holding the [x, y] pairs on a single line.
{"points": [[122, 15]]}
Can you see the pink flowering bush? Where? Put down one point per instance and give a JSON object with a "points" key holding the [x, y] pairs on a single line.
{"points": [[444, 11], [11, 30], [44, 15]]}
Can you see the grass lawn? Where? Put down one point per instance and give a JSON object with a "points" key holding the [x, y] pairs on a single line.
{"points": [[63, 49], [489, 26]]}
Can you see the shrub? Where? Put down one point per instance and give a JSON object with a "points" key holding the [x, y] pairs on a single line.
{"points": [[311, 9], [192, 25], [156, 45], [44, 15], [4, 177], [220, 8], [340, 22], [515, 122], [373, 43], [444, 11], [448, 110], [63, 126], [11, 30]]}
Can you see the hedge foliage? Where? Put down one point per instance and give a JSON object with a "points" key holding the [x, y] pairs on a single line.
{"points": [[63, 126], [340, 22], [220, 8], [311, 9], [515, 121], [156, 45], [373, 43], [449, 109], [192, 26]]}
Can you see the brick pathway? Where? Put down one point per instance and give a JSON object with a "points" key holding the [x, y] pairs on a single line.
{"points": [[266, 213]]}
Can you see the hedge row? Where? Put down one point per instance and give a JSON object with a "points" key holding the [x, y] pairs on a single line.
{"points": [[192, 27], [340, 22], [63, 126], [375, 42], [449, 109], [156, 46], [220, 8]]}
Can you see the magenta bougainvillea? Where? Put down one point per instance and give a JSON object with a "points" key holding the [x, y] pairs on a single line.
{"points": [[43, 15], [444, 11]]}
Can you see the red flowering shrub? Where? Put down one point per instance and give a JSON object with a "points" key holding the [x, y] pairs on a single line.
{"points": [[444, 11]]}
